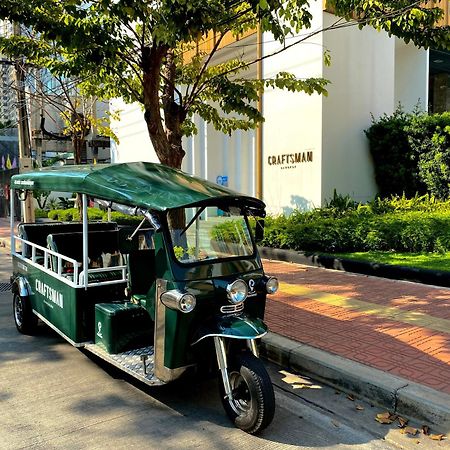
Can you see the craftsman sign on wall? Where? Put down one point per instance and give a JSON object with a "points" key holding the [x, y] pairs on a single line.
{"points": [[290, 160]]}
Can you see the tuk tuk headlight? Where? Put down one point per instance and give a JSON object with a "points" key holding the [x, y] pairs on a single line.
{"points": [[181, 301], [237, 291], [272, 285]]}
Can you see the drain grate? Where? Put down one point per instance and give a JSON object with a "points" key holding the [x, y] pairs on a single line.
{"points": [[5, 287]]}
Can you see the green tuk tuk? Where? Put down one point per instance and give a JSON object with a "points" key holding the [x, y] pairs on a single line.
{"points": [[182, 289]]}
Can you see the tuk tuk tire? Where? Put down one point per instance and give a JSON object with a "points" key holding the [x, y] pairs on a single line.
{"points": [[26, 321], [258, 413]]}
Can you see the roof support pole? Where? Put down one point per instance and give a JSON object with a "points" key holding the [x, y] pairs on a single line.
{"points": [[85, 239], [12, 194]]}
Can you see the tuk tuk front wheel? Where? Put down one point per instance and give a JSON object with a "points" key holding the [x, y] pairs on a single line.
{"points": [[26, 321], [253, 404]]}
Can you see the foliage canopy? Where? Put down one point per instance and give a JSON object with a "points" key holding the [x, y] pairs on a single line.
{"points": [[137, 50]]}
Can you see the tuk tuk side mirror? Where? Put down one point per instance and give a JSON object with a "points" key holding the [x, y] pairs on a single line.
{"points": [[259, 230]]}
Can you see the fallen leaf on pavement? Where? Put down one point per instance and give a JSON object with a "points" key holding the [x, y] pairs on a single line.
{"points": [[350, 397], [402, 422], [437, 437], [383, 420], [359, 408], [385, 417], [409, 431], [335, 423], [298, 382]]}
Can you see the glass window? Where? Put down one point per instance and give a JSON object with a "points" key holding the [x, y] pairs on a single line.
{"points": [[439, 89], [200, 234]]}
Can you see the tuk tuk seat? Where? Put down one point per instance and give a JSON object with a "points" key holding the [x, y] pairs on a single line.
{"points": [[38, 232], [141, 271], [71, 245]]}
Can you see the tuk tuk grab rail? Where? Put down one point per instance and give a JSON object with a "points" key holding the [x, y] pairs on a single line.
{"points": [[45, 263]]}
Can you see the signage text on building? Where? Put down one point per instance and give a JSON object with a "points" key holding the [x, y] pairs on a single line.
{"points": [[289, 160]]}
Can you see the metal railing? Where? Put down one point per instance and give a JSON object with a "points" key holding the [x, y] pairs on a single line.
{"points": [[75, 279], [46, 265]]}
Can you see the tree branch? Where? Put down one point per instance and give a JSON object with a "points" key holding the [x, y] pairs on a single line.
{"points": [[191, 96]]}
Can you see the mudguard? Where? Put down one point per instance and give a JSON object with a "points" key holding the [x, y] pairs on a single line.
{"points": [[231, 326], [20, 285]]}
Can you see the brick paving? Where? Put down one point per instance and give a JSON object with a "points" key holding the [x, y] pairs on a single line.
{"points": [[395, 326], [399, 327]]}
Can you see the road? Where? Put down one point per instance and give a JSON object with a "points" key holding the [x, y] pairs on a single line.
{"points": [[54, 396]]}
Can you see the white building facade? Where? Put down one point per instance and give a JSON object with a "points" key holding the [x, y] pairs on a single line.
{"points": [[311, 145]]}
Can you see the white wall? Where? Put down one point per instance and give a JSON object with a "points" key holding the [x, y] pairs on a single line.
{"points": [[411, 76], [293, 124], [134, 142], [211, 154], [362, 83]]}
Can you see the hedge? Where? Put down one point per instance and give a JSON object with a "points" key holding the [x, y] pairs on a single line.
{"points": [[421, 224], [94, 214], [411, 153]]}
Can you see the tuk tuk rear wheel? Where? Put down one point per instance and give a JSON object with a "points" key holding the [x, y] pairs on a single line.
{"points": [[253, 405], [26, 321]]}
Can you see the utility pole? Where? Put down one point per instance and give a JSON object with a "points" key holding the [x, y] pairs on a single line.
{"points": [[25, 161]]}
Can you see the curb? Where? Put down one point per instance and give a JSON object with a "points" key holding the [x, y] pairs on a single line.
{"points": [[425, 276], [380, 388]]}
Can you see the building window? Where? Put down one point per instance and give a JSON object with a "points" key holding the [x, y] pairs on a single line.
{"points": [[439, 88]]}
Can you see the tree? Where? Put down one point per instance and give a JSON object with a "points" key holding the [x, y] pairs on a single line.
{"points": [[52, 96], [136, 50], [6, 125]]}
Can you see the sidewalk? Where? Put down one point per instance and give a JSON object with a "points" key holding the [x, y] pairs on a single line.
{"points": [[386, 340], [4, 235]]}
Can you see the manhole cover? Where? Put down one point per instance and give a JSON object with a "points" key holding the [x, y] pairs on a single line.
{"points": [[5, 287]]}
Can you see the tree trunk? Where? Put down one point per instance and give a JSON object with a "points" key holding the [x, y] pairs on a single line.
{"points": [[78, 144], [166, 139]]}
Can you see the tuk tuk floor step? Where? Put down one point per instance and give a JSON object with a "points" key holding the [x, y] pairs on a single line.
{"points": [[130, 362]]}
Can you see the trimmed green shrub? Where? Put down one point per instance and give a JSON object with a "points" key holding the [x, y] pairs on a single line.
{"points": [[421, 224], [411, 153], [123, 219], [95, 214], [429, 138], [40, 213], [395, 163], [54, 214]]}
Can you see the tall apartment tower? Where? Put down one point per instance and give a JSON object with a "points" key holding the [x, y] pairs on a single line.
{"points": [[8, 99]]}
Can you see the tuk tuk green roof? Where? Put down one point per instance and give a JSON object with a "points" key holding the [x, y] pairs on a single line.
{"points": [[143, 184]]}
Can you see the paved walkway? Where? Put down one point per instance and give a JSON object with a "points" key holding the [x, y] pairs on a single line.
{"points": [[399, 327]]}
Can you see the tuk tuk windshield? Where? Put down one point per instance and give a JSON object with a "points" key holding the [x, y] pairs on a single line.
{"points": [[201, 233]]}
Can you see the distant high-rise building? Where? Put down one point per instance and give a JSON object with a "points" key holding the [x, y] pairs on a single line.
{"points": [[8, 99]]}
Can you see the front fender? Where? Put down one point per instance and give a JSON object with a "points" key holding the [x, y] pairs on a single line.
{"points": [[20, 285], [231, 326]]}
